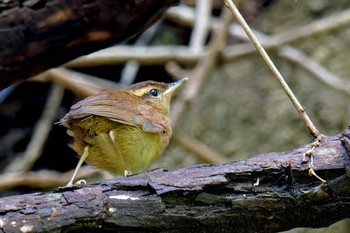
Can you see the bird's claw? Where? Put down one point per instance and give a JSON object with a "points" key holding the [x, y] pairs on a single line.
{"points": [[79, 182], [127, 173]]}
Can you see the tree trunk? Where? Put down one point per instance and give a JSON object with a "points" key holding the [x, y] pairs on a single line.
{"points": [[43, 34], [268, 193]]}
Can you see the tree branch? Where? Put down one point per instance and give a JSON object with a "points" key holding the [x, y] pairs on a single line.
{"points": [[33, 38]]}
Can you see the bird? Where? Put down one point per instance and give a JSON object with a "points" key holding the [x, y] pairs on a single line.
{"points": [[121, 131]]}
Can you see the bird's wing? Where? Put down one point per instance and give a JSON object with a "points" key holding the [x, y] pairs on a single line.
{"points": [[122, 110]]}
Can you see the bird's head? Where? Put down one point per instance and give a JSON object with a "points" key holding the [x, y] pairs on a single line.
{"points": [[156, 94]]}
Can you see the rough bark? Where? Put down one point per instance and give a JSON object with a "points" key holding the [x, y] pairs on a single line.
{"points": [[202, 198], [43, 34]]}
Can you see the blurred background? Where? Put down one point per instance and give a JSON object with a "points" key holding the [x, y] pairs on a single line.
{"points": [[237, 109]]}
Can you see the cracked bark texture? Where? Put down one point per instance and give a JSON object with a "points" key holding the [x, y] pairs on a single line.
{"points": [[39, 35], [202, 198]]}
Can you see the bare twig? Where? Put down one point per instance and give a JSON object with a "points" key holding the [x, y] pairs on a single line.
{"points": [[312, 129], [186, 15], [310, 65], [81, 84], [200, 30], [144, 55], [44, 179], [331, 22], [200, 73], [322, 25], [129, 72], [203, 152], [182, 15], [175, 71], [317, 70], [198, 77], [42, 129]]}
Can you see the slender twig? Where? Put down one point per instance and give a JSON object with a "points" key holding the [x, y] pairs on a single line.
{"points": [[297, 56], [333, 21], [197, 78], [318, 71], [201, 72], [200, 29], [175, 71], [186, 15], [129, 72], [146, 55], [312, 129], [182, 15], [203, 151], [322, 25], [45, 179], [81, 84], [41, 131]]}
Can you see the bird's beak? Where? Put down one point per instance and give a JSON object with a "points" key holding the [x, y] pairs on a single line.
{"points": [[173, 86]]}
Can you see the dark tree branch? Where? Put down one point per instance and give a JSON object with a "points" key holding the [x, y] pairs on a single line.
{"points": [[222, 197], [34, 38]]}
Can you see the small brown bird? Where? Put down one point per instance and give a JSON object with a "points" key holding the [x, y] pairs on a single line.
{"points": [[123, 130]]}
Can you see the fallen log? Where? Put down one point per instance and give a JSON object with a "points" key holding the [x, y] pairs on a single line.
{"points": [[268, 193]]}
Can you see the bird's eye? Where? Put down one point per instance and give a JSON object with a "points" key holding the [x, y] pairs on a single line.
{"points": [[153, 92]]}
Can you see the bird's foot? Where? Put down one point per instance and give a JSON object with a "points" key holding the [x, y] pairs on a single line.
{"points": [[79, 182], [127, 173]]}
